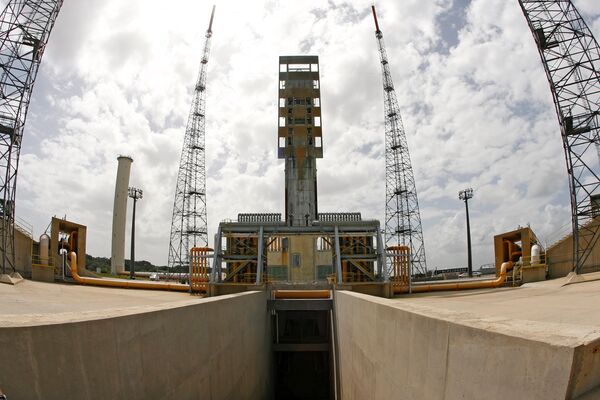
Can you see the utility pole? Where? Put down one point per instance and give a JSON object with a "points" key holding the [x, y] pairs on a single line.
{"points": [[136, 194], [465, 195]]}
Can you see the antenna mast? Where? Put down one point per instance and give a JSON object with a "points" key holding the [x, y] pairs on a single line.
{"points": [[402, 216], [189, 223]]}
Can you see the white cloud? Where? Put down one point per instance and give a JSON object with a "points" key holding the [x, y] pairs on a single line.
{"points": [[117, 77]]}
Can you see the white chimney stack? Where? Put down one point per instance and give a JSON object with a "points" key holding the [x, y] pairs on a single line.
{"points": [[117, 257]]}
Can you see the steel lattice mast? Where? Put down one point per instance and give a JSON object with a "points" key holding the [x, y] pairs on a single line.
{"points": [[24, 31], [571, 59], [189, 225], [402, 216]]}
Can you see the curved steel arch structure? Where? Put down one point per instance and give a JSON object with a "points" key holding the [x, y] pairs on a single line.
{"points": [[571, 59], [25, 27]]}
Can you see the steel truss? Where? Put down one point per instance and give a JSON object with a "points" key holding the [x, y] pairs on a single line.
{"points": [[354, 244], [571, 59], [402, 216], [25, 27], [189, 224]]}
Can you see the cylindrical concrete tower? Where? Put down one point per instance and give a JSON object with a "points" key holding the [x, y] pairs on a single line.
{"points": [[117, 257]]}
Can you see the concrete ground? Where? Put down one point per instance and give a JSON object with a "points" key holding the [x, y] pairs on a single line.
{"points": [[546, 311], [37, 303]]}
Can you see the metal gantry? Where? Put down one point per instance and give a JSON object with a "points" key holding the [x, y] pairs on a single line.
{"points": [[571, 59], [189, 225], [402, 216], [25, 27]]}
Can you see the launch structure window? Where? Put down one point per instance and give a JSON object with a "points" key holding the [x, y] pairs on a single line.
{"points": [[281, 84], [323, 244], [317, 102], [299, 102], [318, 141], [282, 67], [281, 121], [317, 121], [299, 67], [282, 102], [314, 67], [301, 84], [296, 260], [281, 142]]}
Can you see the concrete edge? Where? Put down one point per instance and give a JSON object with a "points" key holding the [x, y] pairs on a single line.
{"points": [[573, 278], [11, 279], [555, 334], [585, 370], [32, 320]]}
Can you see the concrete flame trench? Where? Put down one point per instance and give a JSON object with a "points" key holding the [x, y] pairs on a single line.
{"points": [[539, 341]]}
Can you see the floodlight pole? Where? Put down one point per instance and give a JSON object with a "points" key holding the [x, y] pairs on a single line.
{"points": [[135, 194], [465, 195]]}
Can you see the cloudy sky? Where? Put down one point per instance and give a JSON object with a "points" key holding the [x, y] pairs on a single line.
{"points": [[117, 78]]}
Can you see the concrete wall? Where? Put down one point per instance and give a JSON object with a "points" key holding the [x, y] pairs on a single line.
{"points": [[23, 246], [389, 353], [560, 257], [217, 348]]}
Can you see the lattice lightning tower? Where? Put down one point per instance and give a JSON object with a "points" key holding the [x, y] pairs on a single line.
{"points": [[571, 59], [189, 226], [402, 216], [24, 31]]}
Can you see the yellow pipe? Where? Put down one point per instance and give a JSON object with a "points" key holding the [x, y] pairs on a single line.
{"points": [[460, 285], [301, 294], [122, 283]]}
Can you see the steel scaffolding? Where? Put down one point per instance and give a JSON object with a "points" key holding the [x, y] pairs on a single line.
{"points": [[402, 216], [189, 226], [25, 27], [571, 59]]}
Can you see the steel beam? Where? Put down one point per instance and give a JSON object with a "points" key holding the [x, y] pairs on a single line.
{"points": [[300, 305], [338, 260], [259, 261]]}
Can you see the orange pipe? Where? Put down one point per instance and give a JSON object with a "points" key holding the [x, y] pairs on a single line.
{"points": [[301, 294], [433, 287], [143, 274], [122, 283]]}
